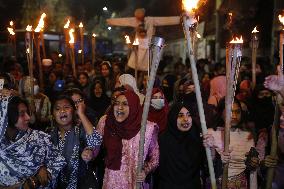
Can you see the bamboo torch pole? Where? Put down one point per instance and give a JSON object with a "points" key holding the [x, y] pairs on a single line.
{"points": [[38, 58], [274, 143], [157, 45], [273, 151], [93, 49], [12, 37], [66, 36], [72, 53], [29, 51], [254, 46], [189, 26], [42, 44], [38, 31], [228, 109], [82, 41], [135, 47], [281, 42], [233, 54]]}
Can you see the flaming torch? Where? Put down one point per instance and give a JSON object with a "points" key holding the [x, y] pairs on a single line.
{"points": [[12, 36], [38, 30], [135, 46], [93, 49], [254, 46], [29, 52], [66, 35], [72, 54], [189, 26], [156, 50], [129, 45], [82, 41], [233, 60]]}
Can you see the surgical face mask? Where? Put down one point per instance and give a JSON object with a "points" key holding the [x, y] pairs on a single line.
{"points": [[36, 89], [158, 104]]}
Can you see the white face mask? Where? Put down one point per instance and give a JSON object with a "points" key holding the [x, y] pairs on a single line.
{"points": [[158, 104], [36, 89]]}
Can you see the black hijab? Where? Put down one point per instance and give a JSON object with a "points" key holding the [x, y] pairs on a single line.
{"points": [[180, 153], [99, 104]]}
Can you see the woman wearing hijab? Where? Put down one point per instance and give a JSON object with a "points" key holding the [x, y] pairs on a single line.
{"points": [[129, 82], [120, 129], [159, 109], [106, 73], [168, 86], [27, 157], [99, 101], [181, 150]]}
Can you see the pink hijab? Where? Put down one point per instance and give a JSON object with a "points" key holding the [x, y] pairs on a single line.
{"points": [[217, 89]]}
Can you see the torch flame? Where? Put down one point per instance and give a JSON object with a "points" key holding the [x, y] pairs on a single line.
{"points": [[72, 40], [127, 39], [29, 28], [189, 5], [94, 35], [80, 51], [81, 25], [11, 31], [40, 25], [237, 40], [67, 24], [255, 30], [11, 23], [136, 42], [281, 19]]}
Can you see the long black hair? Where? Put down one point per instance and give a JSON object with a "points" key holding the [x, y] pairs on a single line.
{"points": [[13, 110], [220, 122]]}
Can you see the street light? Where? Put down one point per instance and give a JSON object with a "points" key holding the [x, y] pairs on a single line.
{"points": [[105, 9], [109, 28]]}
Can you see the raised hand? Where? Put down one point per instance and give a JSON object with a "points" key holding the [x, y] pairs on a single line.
{"points": [[275, 82]]}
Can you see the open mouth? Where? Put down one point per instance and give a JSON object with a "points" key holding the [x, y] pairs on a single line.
{"points": [[63, 117], [186, 125], [119, 113]]}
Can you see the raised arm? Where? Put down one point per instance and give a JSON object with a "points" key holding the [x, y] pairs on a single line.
{"points": [[130, 21], [165, 21]]}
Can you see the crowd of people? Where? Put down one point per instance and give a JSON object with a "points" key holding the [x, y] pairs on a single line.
{"points": [[84, 132]]}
